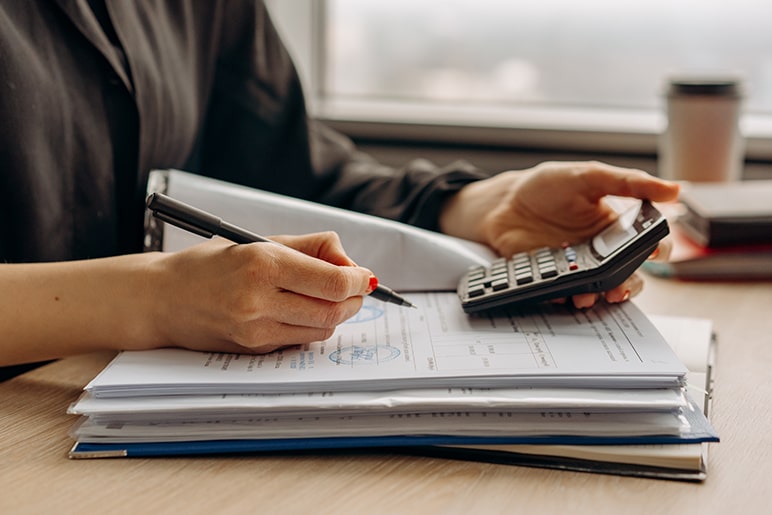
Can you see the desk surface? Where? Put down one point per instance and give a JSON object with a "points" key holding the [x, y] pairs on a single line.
{"points": [[37, 477]]}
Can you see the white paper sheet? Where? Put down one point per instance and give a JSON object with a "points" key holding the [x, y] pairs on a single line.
{"points": [[207, 407], [488, 424], [386, 347]]}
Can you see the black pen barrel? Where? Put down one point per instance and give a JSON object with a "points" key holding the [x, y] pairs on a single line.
{"points": [[239, 235]]}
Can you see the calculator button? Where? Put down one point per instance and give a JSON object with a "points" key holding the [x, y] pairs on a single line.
{"points": [[500, 284], [475, 291], [548, 272], [476, 283], [524, 279]]}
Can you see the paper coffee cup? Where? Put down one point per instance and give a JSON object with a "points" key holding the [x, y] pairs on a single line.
{"points": [[702, 141]]}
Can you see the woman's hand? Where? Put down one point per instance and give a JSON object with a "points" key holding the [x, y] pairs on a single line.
{"points": [[548, 205], [217, 296], [258, 297]]}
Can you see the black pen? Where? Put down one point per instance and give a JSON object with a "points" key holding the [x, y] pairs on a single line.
{"points": [[207, 225]]}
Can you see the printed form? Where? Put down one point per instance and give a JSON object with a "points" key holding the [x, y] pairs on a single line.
{"points": [[389, 347]]}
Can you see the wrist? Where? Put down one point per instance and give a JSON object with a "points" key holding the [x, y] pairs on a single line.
{"points": [[142, 302], [436, 195], [465, 214]]}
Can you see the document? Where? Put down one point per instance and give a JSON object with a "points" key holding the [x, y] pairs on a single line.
{"points": [[386, 347], [209, 407], [473, 424], [694, 342], [543, 438]]}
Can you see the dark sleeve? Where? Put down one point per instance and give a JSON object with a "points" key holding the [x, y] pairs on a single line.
{"points": [[258, 133]]}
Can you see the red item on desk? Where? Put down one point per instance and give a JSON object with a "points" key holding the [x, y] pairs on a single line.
{"points": [[689, 260]]}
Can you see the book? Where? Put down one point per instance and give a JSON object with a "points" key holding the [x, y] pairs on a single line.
{"points": [[728, 214], [692, 261]]}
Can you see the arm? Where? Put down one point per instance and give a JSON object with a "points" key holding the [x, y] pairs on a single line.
{"points": [[214, 296]]}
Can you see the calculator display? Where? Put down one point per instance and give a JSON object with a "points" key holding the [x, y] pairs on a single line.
{"points": [[625, 228]]}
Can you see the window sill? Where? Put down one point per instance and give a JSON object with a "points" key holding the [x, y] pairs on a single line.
{"points": [[583, 130]]}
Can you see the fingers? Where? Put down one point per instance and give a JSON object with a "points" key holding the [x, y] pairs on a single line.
{"points": [[601, 179], [305, 275], [631, 287], [585, 300], [323, 245], [293, 309], [261, 337], [663, 250], [295, 325]]}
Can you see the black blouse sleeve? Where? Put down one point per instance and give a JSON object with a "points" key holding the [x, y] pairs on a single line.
{"points": [[258, 133]]}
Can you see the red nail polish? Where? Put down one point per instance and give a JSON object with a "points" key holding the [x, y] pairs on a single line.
{"points": [[373, 284]]}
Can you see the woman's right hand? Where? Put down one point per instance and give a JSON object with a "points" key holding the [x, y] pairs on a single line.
{"points": [[254, 298], [217, 296]]}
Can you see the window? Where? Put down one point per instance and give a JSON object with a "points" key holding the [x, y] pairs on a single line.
{"points": [[592, 67]]}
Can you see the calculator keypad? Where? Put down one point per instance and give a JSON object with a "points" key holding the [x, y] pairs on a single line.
{"points": [[522, 269]]}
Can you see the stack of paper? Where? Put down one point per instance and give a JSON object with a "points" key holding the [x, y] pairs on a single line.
{"points": [[596, 389], [407, 377]]}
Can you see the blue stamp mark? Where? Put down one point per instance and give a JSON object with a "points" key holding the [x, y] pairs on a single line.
{"points": [[366, 314], [364, 354]]}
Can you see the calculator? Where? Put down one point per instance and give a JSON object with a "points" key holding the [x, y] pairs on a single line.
{"points": [[597, 265]]}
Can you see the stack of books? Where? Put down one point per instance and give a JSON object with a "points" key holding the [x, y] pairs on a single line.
{"points": [[600, 389], [720, 232]]}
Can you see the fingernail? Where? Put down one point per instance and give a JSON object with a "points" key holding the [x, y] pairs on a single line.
{"points": [[373, 284], [626, 295]]}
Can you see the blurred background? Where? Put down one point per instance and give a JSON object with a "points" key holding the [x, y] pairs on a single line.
{"points": [[549, 78]]}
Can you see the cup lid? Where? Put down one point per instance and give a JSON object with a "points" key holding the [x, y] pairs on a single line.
{"points": [[725, 87]]}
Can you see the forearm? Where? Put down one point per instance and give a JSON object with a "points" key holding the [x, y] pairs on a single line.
{"points": [[52, 310]]}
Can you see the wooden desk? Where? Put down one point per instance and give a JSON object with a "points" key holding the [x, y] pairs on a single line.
{"points": [[37, 477]]}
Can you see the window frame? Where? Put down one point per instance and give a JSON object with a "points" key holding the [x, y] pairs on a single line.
{"points": [[303, 26]]}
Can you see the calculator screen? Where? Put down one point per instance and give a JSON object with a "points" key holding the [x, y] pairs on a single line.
{"points": [[617, 234]]}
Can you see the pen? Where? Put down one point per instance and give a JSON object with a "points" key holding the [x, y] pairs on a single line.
{"points": [[207, 225]]}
